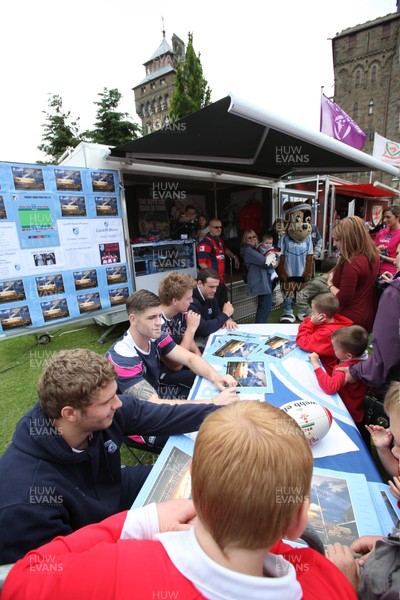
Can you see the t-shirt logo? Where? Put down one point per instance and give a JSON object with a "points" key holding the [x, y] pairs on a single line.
{"points": [[111, 446]]}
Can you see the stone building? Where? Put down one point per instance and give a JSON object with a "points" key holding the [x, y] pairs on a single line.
{"points": [[153, 93], [366, 60]]}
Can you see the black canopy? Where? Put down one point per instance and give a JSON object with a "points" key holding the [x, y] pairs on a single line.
{"points": [[232, 136]]}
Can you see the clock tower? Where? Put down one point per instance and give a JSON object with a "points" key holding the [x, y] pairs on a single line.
{"points": [[153, 93]]}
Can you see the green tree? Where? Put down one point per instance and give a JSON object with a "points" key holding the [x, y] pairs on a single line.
{"points": [[191, 91], [60, 131], [111, 127]]}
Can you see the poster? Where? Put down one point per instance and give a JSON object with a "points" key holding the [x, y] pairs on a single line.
{"points": [[62, 247]]}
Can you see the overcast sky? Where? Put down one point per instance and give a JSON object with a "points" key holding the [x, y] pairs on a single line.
{"points": [[275, 53]]}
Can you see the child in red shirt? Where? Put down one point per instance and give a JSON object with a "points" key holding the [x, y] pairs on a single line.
{"points": [[315, 331], [349, 344]]}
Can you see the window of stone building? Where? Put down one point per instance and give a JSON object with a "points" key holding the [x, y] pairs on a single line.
{"points": [[352, 41], [152, 85], [373, 74], [148, 108], [371, 135], [355, 110], [370, 107], [358, 78], [143, 90], [162, 81], [386, 30]]}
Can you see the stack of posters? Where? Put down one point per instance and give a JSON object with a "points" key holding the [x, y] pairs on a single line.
{"points": [[343, 506]]}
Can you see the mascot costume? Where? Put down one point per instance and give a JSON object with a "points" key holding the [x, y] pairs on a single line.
{"points": [[296, 262]]}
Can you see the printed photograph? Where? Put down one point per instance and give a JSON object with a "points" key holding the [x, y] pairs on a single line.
{"points": [[331, 512], [173, 480], [15, 317], [54, 309], [12, 290], [89, 302], [236, 349], [109, 253], [248, 374], [279, 346], [116, 275], [48, 285], [28, 178], [118, 296], [73, 206], [102, 181], [43, 259], [85, 279], [68, 179], [3, 212], [106, 206]]}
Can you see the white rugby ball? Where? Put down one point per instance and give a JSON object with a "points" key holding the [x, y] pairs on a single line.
{"points": [[314, 419]]}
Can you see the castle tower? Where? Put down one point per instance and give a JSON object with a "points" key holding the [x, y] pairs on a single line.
{"points": [[153, 93], [367, 79]]}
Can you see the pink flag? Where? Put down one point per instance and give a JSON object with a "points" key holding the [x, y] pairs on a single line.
{"points": [[337, 124]]}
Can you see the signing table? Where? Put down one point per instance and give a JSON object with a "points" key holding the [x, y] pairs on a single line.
{"points": [[347, 498]]}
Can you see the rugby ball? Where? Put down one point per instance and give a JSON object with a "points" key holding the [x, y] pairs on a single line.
{"points": [[314, 419]]}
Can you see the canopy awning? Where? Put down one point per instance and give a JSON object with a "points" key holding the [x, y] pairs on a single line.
{"points": [[233, 136], [364, 190]]}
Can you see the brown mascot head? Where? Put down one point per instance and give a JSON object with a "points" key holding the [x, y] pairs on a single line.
{"points": [[298, 219]]}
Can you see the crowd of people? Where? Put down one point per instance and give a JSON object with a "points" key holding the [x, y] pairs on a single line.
{"points": [[64, 494]]}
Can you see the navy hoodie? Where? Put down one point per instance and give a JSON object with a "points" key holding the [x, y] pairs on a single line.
{"points": [[46, 489]]}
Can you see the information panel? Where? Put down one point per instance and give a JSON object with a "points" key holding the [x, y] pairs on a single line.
{"points": [[62, 249]]}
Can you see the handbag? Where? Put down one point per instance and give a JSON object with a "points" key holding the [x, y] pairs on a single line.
{"points": [[374, 412]]}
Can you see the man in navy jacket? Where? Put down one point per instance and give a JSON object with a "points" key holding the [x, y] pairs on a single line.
{"points": [[205, 304], [63, 468]]}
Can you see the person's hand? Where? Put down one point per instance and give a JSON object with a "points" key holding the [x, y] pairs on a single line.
{"points": [[381, 437], [381, 248], [318, 319], [330, 279], [236, 262], [174, 515], [364, 545], [223, 381], [192, 320], [386, 276], [228, 309], [228, 396], [314, 359], [229, 325], [343, 558], [395, 487], [347, 377]]}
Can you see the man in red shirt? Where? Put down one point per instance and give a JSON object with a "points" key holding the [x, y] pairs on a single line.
{"points": [[211, 252]]}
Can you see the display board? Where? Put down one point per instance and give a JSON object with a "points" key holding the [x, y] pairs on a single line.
{"points": [[62, 248]]}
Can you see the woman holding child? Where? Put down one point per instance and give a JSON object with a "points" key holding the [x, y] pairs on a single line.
{"points": [[353, 279], [258, 275]]}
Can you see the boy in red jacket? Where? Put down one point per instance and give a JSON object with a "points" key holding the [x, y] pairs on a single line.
{"points": [[315, 331], [349, 344]]}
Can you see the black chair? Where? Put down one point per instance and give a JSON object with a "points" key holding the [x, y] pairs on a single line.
{"points": [[140, 446]]}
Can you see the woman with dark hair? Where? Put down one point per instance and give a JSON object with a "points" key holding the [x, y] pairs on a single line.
{"points": [[258, 275], [388, 238], [353, 278]]}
